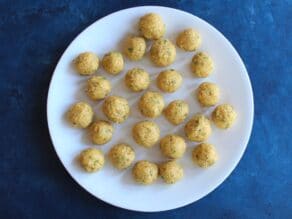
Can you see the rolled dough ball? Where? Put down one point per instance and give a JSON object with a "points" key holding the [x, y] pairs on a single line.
{"points": [[146, 133], [101, 132], [198, 128], [91, 159], [204, 155], [202, 65], [151, 26], [224, 116], [145, 172], [122, 156], [151, 104], [171, 172], [86, 63], [169, 80], [116, 109], [162, 52], [173, 146], [80, 115]]}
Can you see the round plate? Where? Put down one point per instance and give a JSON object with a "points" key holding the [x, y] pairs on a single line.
{"points": [[117, 187]]}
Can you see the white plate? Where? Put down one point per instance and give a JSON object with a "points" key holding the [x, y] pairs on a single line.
{"points": [[118, 188]]}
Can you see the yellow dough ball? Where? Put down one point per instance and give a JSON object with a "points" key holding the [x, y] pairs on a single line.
{"points": [[145, 172], [113, 63], [224, 116], [122, 156], [198, 128], [176, 112], [171, 172], [208, 94], [91, 159], [151, 26], [98, 87], [135, 48], [162, 52], [86, 63], [101, 132], [116, 109], [146, 133], [80, 115], [169, 80], [202, 65], [151, 104], [173, 146], [137, 79], [188, 40], [204, 155]]}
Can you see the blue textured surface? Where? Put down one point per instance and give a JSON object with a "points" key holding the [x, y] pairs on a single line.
{"points": [[33, 183]]}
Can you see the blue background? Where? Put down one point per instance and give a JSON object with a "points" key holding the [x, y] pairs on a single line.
{"points": [[34, 184]]}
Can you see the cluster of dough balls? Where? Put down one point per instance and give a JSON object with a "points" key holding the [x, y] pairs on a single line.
{"points": [[151, 104]]}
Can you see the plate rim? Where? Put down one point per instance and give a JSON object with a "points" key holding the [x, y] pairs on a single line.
{"points": [[183, 204]]}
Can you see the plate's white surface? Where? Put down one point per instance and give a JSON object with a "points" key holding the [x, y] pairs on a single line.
{"points": [[118, 188]]}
